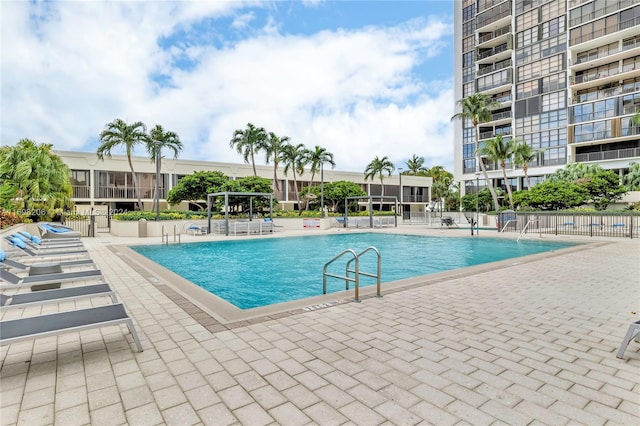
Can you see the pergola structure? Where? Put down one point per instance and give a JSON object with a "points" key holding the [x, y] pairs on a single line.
{"points": [[370, 198], [251, 196]]}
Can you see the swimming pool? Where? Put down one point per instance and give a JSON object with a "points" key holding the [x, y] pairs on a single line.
{"points": [[259, 272]]}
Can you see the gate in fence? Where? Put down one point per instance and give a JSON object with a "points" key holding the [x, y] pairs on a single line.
{"points": [[89, 225]]}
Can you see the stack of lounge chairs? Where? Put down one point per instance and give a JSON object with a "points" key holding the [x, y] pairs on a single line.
{"points": [[72, 279]]}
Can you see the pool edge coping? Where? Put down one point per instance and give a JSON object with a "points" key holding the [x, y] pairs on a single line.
{"points": [[216, 314]]}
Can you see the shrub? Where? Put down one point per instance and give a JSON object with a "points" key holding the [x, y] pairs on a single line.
{"points": [[164, 215], [8, 219]]}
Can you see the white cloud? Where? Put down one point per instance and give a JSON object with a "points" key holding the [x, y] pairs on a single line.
{"points": [[353, 92]]}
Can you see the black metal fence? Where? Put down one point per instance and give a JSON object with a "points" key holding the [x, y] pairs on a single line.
{"points": [[89, 225], [602, 224]]}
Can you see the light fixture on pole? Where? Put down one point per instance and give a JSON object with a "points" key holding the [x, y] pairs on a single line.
{"points": [[400, 177]]}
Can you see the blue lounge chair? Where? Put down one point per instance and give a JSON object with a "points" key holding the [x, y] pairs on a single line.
{"points": [[20, 245], [14, 264], [55, 231], [36, 243]]}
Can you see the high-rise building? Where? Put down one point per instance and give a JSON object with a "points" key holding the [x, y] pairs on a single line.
{"points": [[566, 74]]}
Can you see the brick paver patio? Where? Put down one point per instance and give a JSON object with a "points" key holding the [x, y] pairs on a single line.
{"points": [[527, 343]]}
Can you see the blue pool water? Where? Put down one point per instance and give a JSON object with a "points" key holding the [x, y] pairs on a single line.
{"points": [[260, 272]]}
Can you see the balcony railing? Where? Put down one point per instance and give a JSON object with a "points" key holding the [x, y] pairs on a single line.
{"points": [[501, 78], [592, 136], [608, 155], [490, 52], [494, 67], [591, 76], [81, 191], [594, 95], [497, 33], [128, 192], [501, 115], [599, 53], [492, 134]]}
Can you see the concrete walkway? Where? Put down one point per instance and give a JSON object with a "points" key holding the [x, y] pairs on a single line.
{"points": [[526, 343]]}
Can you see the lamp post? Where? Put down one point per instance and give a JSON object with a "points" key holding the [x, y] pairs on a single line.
{"points": [[400, 177], [477, 198]]}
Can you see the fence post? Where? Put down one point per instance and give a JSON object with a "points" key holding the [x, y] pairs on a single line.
{"points": [[92, 226]]}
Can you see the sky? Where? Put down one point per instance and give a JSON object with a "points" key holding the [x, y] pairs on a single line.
{"points": [[358, 78]]}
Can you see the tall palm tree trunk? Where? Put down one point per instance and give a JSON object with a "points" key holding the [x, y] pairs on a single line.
{"points": [[295, 187], [494, 196], [503, 166], [253, 163], [276, 186], [525, 169], [136, 184], [381, 190]]}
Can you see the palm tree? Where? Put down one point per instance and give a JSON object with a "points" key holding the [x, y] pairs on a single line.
{"points": [[632, 179], [248, 143], [317, 159], [273, 148], [119, 133], [439, 174], [33, 177], [378, 167], [477, 108], [158, 140], [523, 154], [294, 158], [415, 165], [498, 150]]}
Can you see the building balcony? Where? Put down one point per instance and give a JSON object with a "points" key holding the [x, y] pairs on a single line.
{"points": [[497, 82], [615, 154], [617, 134], [606, 54], [494, 38], [504, 131], [611, 76], [610, 6], [128, 193], [496, 17], [496, 54], [81, 191], [499, 118], [608, 34], [493, 68]]}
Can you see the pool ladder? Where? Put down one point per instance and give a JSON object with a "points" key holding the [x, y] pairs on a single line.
{"points": [[356, 278], [176, 235]]}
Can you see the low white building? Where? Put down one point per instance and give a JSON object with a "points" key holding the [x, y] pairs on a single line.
{"points": [[106, 184]]}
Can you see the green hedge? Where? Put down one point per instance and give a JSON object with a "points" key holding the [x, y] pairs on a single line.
{"points": [[164, 215]]}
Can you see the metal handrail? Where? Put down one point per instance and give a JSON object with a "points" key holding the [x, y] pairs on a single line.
{"points": [[507, 224], [525, 229], [325, 274], [356, 279], [376, 275], [176, 228], [165, 233]]}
